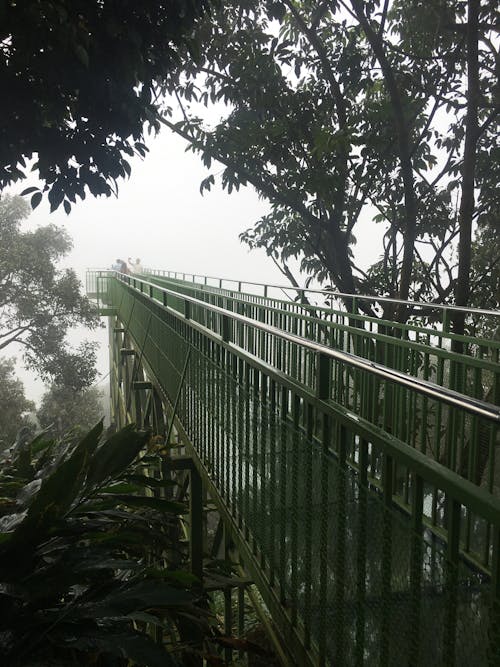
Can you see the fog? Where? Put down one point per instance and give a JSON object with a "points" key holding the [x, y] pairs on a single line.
{"points": [[161, 217]]}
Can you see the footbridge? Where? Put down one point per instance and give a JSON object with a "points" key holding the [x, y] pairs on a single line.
{"points": [[353, 460]]}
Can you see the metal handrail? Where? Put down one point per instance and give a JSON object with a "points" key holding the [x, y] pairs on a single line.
{"points": [[347, 295], [472, 405]]}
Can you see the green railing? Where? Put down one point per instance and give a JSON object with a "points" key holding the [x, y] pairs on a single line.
{"points": [[437, 315], [417, 347], [365, 549], [462, 443]]}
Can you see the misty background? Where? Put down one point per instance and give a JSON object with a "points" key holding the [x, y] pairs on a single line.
{"points": [[161, 217]]}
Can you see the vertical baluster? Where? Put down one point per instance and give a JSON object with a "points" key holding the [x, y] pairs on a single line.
{"points": [[323, 543], [385, 630], [272, 481], [451, 575], [340, 544], [416, 554], [264, 478], [308, 519], [361, 553], [256, 516], [283, 490], [296, 443]]}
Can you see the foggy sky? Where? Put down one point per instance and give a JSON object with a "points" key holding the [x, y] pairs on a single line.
{"points": [[160, 217]]}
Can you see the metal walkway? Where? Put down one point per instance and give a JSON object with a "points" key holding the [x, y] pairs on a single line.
{"points": [[353, 460]]}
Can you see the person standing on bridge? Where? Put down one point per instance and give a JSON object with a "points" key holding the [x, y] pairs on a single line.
{"points": [[135, 267], [120, 266]]}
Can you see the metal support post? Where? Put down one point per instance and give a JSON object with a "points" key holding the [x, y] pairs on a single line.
{"points": [[196, 524]]}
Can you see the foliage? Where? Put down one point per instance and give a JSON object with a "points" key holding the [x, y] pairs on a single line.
{"points": [[14, 404], [347, 111], [81, 80], [39, 302], [82, 562], [63, 410], [485, 286], [485, 281]]}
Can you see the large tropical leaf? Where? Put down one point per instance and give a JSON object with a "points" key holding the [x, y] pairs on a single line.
{"points": [[85, 558], [145, 595], [114, 455], [58, 491], [150, 482], [147, 502]]}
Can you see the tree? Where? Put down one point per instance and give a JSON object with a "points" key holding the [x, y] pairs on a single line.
{"points": [[80, 80], [64, 409], [339, 111], [40, 303], [14, 404]]}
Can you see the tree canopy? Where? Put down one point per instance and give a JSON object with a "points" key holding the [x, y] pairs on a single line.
{"points": [[80, 83], [349, 110], [14, 403], [39, 303]]}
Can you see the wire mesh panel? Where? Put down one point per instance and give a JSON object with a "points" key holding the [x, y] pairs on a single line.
{"points": [[376, 553]]}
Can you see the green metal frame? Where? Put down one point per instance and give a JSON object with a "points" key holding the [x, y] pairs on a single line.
{"points": [[364, 548]]}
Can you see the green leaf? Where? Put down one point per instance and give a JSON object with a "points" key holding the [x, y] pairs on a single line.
{"points": [[150, 482], [122, 487], [56, 196], [108, 564], [36, 199], [207, 183], [120, 537], [144, 617], [59, 490], [181, 577], [28, 191], [150, 503], [147, 594], [116, 454], [81, 54]]}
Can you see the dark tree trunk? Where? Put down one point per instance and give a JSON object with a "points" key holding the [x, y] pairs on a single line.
{"points": [[462, 289], [404, 150]]}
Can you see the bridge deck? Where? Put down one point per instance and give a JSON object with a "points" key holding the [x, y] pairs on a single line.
{"points": [[344, 489]]}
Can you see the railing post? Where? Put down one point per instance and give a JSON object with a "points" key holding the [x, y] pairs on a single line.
{"points": [[453, 512], [416, 567], [386, 574], [228, 599], [196, 523], [187, 309], [493, 652], [323, 376], [226, 329]]}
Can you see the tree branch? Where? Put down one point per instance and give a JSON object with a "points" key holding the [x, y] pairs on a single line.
{"points": [[403, 133]]}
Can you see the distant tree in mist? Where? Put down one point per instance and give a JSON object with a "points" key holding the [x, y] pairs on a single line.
{"points": [[66, 410], [13, 404], [40, 303]]}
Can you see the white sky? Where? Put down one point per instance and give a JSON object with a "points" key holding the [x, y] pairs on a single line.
{"points": [[161, 217]]}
